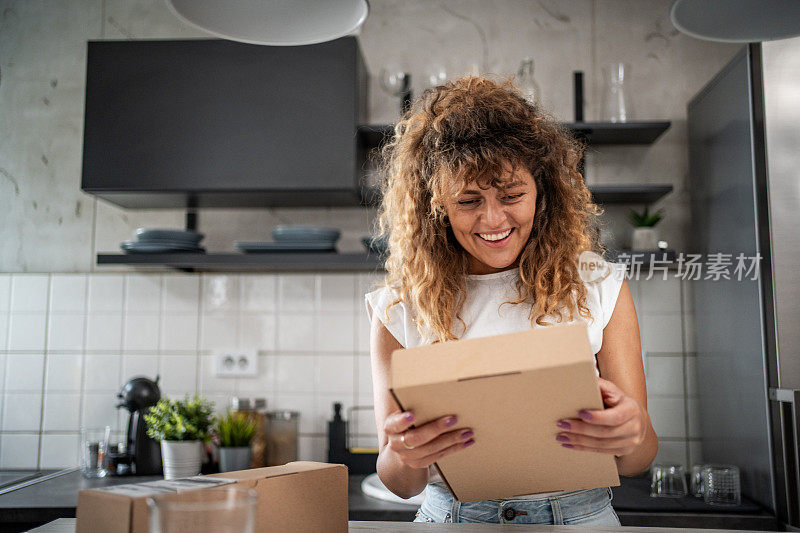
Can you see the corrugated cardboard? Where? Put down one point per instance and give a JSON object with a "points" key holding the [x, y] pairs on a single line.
{"points": [[511, 390], [304, 497]]}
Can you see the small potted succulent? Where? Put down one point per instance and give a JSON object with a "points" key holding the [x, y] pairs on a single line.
{"points": [[645, 236], [234, 433], [182, 426]]}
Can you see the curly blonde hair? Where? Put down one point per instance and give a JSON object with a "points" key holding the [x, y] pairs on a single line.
{"points": [[477, 129]]}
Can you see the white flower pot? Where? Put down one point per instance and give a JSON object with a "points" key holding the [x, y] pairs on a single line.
{"points": [[644, 239], [181, 458], [232, 459]]}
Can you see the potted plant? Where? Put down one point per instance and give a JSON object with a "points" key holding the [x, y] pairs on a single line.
{"points": [[645, 236], [182, 426], [235, 432]]}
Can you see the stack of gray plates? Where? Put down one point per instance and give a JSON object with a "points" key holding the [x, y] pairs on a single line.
{"points": [[295, 239], [153, 241]]}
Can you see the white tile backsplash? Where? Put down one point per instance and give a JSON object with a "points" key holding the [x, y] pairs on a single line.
{"points": [[140, 332], [660, 296], [335, 374], [668, 416], [296, 292], [178, 373], [258, 293], [143, 293], [65, 332], [178, 332], [26, 332], [336, 332], [336, 292], [139, 365], [29, 293], [102, 372], [105, 293], [311, 334], [104, 332], [258, 332], [99, 410], [664, 376], [62, 412], [218, 332], [68, 293], [662, 333], [19, 451], [296, 332], [295, 373], [25, 372], [181, 294], [672, 452], [60, 451], [64, 372], [22, 411], [220, 293]]}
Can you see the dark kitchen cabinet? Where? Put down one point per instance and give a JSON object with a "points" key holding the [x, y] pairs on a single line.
{"points": [[215, 123]]}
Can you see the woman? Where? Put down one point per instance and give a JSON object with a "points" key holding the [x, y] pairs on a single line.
{"points": [[487, 216]]}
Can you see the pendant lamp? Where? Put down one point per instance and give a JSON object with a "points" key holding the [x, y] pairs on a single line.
{"points": [[737, 21], [273, 22]]}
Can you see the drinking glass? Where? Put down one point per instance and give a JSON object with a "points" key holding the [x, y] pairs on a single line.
{"points": [[721, 484], [668, 481], [218, 510], [94, 447], [697, 484], [616, 100]]}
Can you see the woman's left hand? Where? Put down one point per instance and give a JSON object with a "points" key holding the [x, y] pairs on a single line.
{"points": [[618, 429]]}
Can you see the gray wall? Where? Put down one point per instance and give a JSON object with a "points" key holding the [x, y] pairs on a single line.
{"points": [[48, 225]]}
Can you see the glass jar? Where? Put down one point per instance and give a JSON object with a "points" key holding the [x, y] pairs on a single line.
{"points": [[255, 409], [282, 437], [527, 83]]}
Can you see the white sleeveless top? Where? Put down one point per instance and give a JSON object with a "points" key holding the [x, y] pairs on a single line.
{"points": [[486, 313]]}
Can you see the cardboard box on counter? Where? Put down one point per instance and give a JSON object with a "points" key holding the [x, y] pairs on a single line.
{"points": [[511, 390], [302, 497]]}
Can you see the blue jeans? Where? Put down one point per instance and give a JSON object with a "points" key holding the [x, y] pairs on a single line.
{"points": [[580, 507]]}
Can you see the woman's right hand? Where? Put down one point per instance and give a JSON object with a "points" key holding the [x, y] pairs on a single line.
{"points": [[422, 446]]}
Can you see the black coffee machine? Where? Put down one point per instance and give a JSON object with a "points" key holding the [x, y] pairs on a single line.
{"points": [[142, 454]]}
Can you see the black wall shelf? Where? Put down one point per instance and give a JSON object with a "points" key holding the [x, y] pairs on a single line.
{"points": [[628, 194], [305, 262], [275, 262], [594, 133]]}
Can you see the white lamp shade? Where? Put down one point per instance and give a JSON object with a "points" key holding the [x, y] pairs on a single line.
{"points": [[273, 22], [737, 21]]}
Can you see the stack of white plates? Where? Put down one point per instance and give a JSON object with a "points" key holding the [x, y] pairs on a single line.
{"points": [[150, 241], [295, 239]]}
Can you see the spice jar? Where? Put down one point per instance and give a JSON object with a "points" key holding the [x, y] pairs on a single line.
{"points": [[282, 430], [254, 409]]}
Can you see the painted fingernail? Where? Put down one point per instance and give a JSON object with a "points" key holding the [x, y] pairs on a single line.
{"points": [[586, 415], [562, 438], [470, 442], [563, 424], [466, 435], [450, 421], [567, 445], [409, 417]]}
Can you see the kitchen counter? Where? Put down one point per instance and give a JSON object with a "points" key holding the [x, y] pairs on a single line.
{"points": [[67, 525], [57, 498]]}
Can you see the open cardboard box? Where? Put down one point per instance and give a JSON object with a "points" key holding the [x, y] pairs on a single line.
{"points": [[303, 496], [511, 390]]}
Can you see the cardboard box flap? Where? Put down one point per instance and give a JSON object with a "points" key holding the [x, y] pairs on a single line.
{"points": [[527, 350], [274, 471]]}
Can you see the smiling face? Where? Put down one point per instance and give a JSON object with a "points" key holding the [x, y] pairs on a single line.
{"points": [[492, 225]]}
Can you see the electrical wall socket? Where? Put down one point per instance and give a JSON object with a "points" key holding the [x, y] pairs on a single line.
{"points": [[236, 363]]}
